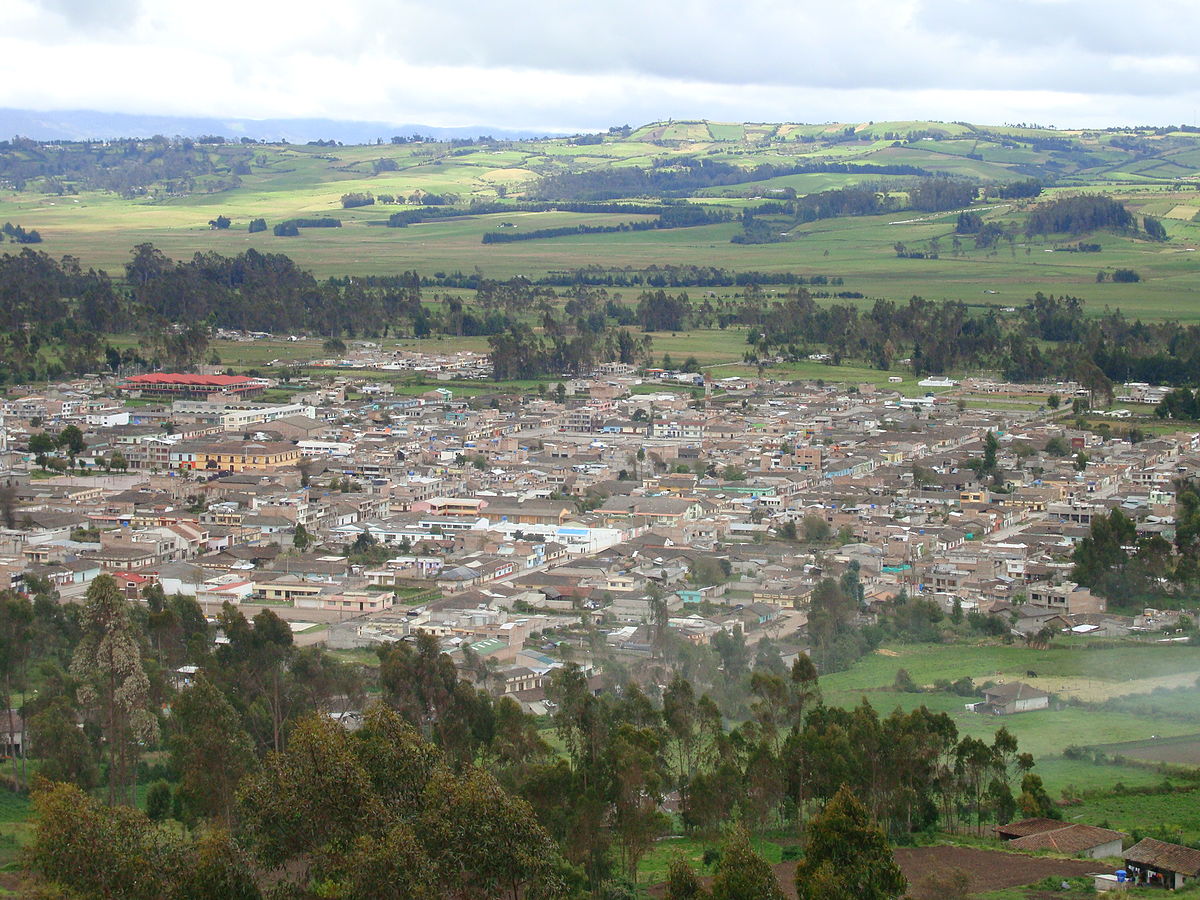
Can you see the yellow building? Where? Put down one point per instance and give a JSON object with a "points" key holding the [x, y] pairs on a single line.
{"points": [[248, 456]]}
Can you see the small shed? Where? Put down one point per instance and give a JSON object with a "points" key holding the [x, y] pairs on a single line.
{"points": [[1160, 864], [1005, 699]]}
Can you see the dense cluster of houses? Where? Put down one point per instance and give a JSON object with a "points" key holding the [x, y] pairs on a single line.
{"points": [[498, 523], [372, 508]]}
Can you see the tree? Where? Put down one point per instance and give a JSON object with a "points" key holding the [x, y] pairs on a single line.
{"points": [[113, 685], [8, 505], [483, 842], [816, 529], [41, 444], [847, 855], [72, 827], [301, 539], [71, 439], [731, 647], [1034, 802], [216, 869], [1154, 229], [158, 801], [638, 775], [990, 446], [16, 620], [205, 727], [378, 814], [742, 873], [80, 848], [62, 747]]}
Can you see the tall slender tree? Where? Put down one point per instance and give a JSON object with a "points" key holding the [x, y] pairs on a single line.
{"points": [[113, 684]]}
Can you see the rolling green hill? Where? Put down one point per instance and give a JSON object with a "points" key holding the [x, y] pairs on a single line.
{"points": [[95, 202]]}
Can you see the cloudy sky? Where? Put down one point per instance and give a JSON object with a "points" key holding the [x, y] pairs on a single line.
{"points": [[571, 65]]}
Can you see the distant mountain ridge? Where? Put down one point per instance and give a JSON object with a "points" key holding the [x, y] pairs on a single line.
{"points": [[85, 124]]}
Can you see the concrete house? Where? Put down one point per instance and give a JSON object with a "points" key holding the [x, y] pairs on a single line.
{"points": [[1006, 699]]}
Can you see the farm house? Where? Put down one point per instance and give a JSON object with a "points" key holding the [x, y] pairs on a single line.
{"points": [[1063, 837], [1158, 863], [1006, 699]]}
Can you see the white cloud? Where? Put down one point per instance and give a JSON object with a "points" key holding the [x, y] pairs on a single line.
{"points": [[550, 64]]}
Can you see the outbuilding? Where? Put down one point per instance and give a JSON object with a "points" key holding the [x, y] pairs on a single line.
{"points": [[1062, 837], [1015, 697], [1159, 864]]}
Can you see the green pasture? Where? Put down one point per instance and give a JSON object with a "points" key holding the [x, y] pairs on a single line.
{"points": [[1178, 811], [1118, 661], [1045, 733], [15, 827], [288, 181]]}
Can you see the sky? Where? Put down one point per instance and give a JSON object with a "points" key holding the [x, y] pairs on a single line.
{"points": [[567, 65]]}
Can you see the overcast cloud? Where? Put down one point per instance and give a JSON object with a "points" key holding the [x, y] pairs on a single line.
{"points": [[569, 65]]}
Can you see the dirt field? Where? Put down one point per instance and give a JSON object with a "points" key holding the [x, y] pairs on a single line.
{"points": [[1182, 212], [1183, 750], [990, 870]]}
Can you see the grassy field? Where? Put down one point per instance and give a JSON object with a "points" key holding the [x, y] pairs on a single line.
{"points": [[1129, 670], [15, 827], [1177, 811], [289, 181]]}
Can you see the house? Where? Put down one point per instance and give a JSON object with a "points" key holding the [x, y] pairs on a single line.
{"points": [[1159, 863], [1006, 699], [132, 584], [1063, 837], [12, 733]]}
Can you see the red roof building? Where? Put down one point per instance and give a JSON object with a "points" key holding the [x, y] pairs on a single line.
{"points": [[173, 384], [132, 584]]}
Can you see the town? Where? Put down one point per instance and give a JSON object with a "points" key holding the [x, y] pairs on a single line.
{"points": [[603, 522], [525, 513]]}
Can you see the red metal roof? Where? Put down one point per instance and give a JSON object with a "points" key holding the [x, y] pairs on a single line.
{"points": [[204, 380]]}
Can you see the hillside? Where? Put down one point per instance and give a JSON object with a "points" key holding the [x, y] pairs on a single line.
{"points": [[96, 201]]}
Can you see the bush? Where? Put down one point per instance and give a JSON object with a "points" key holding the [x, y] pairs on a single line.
{"points": [[950, 884]]}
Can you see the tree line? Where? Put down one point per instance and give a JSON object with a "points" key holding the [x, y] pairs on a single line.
{"points": [[682, 216], [679, 176]]}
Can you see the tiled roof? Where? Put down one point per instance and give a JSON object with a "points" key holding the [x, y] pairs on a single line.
{"points": [[1162, 855]]}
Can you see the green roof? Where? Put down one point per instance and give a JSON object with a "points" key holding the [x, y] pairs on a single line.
{"points": [[491, 645]]}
